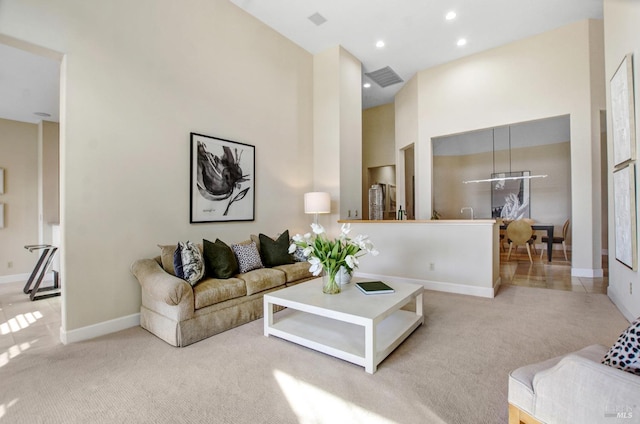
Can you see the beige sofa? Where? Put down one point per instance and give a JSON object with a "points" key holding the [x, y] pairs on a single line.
{"points": [[181, 314]]}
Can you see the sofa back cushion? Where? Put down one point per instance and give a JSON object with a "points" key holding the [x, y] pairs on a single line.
{"points": [[166, 256], [219, 260]]}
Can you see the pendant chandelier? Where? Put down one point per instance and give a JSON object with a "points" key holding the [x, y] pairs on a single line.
{"points": [[489, 180]]}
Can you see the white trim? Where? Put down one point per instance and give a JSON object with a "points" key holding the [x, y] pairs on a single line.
{"points": [[14, 278], [587, 272], [99, 329], [618, 302], [23, 278], [440, 286]]}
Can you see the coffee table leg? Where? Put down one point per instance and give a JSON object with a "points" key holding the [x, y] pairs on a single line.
{"points": [[370, 348], [419, 307], [268, 316]]}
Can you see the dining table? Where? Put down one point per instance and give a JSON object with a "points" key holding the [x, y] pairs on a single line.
{"points": [[542, 227]]}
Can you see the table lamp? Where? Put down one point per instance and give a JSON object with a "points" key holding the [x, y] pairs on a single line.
{"points": [[317, 202]]}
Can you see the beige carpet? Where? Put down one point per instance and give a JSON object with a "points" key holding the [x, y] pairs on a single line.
{"points": [[453, 369]]}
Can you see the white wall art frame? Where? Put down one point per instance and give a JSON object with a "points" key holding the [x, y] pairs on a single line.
{"points": [[1, 215], [1, 180], [624, 205], [623, 112]]}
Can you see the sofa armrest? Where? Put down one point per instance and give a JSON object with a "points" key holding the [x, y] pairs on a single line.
{"points": [[162, 292], [577, 389]]}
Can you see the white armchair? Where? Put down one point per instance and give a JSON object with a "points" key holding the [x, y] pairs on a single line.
{"points": [[576, 388]]}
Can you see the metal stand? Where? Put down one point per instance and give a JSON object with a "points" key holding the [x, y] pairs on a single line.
{"points": [[48, 252]]}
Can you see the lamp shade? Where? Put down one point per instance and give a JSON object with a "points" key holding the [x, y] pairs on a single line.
{"points": [[317, 202]]}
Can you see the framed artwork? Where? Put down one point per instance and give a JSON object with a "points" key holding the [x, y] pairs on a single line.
{"points": [[510, 196], [623, 113], [624, 209], [1, 180], [222, 186], [1, 215]]}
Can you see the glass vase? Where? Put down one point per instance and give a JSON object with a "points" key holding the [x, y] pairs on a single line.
{"points": [[329, 283]]}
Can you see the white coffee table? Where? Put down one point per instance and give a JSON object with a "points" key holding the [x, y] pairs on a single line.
{"points": [[359, 328]]}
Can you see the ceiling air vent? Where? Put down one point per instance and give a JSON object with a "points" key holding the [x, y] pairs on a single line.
{"points": [[384, 77], [317, 19]]}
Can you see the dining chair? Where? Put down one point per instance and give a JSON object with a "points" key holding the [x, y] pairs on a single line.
{"points": [[558, 240], [519, 232]]}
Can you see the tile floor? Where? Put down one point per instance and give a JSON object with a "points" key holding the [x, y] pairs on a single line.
{"points": [[27, 327], [518, 271]]}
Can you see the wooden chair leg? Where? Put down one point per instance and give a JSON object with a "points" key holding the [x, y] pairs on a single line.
{"points": [[542, 250], [518, 416], [529, 252], [509, 254], [564, 247]]}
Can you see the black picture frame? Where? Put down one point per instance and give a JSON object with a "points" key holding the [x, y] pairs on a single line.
{"points": [[222, 183]]}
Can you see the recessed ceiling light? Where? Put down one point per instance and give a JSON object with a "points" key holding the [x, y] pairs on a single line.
{"points": [[450, 15], [366, 85], [42, 114], [461, 42], [380, 44]]}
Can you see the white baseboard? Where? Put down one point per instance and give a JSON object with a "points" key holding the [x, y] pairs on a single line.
{"points": [[587, 272], [618, 302], [5, 279], [100, 329], [23, 278], [439, 286]]}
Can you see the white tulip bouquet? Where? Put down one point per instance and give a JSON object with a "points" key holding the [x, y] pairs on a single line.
{"points": [[329, 255]]}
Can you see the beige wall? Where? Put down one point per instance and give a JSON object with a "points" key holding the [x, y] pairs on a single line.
{"points": [[622, 36], [378, 145], [19, 158], [337, 132], [136, 80], [547, 75]]}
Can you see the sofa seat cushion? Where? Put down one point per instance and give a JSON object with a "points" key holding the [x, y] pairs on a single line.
{"points": [[521, 380], [262, 279], [214, 290], [296, 271]]}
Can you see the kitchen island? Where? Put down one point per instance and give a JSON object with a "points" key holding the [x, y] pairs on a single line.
{"points": [[456, 256]]}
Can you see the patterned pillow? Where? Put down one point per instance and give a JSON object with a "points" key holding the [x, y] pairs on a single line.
{"points": [[298, 255], [625, 353], [192, 262], [248, 256]]}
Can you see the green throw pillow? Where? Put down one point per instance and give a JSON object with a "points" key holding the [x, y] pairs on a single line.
{"points": [[219, 260], [275, 252]]}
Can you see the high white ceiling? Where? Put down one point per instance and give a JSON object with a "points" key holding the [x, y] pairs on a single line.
{"points": [[29, 84], [416, 34]]}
